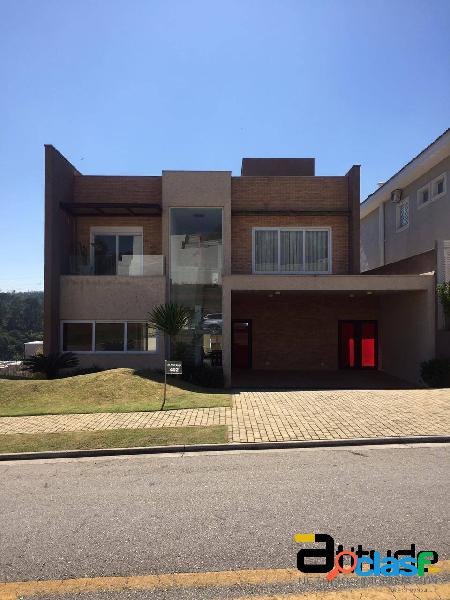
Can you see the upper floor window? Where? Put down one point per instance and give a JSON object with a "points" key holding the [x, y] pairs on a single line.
{"points": [[291, 250], [116, 251], [423, 195], [439, 186], [402, 215]]}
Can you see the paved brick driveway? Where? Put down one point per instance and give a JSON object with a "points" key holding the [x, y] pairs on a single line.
{"points": [[279, 416], [328, 414]]}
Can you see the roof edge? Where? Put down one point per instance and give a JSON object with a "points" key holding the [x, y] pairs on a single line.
{"points": [[430, 156]]}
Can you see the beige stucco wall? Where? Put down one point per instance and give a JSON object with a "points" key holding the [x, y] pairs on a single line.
{"points": [[109, 297], [330, 283], [115, 298], [407, 333], [202, 189]]}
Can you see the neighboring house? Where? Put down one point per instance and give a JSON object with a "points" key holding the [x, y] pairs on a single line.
{"points": [[405, 224], [32, 348], [268, 263]]}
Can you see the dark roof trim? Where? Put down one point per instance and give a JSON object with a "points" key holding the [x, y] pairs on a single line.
{"points": [[111, 209], [303, 213]]}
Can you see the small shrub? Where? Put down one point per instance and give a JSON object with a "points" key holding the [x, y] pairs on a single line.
{"points": [[50, 364], [436, 372]]}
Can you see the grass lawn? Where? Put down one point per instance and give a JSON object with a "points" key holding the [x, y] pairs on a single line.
{"points": [[113, 438], [116, 390]]}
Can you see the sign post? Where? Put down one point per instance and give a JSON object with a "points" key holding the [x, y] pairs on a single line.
{"points": [[171, 367]]}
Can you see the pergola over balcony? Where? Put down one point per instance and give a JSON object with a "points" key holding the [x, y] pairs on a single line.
{"points": [[122, 209]]}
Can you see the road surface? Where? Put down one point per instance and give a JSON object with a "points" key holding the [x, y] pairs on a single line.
{"points": [[216, 512]]}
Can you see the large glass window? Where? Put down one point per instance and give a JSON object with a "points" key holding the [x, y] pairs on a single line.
{"points": [[196, 246], [316, 251], [77, 337], [291, 250], [196, 258], [116, 253], [131, 336], [105, 255], [109, 337], [266, 250], [140, 338]]}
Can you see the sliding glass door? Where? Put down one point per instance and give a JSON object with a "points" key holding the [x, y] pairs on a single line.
{"points": [[117, 253]]}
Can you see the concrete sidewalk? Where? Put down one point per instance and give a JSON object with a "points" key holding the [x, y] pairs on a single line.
{"points": [[270, 416]]}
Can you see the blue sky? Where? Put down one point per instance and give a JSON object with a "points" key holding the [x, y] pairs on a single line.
{"points": [[134, 87]]}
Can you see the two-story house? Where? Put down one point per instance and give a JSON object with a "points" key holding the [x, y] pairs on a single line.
{"points": [[405, 224], [267, 262]]}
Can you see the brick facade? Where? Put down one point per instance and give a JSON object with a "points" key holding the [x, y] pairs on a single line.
{"points": [[241, 237], [291, 202], [151, 226], [289, 193], [294, 331], [105, 188]]}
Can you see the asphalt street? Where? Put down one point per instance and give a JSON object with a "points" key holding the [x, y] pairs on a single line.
{"points": [[134, 516]]}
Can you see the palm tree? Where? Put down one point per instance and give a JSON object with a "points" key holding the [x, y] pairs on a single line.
{"points": [[170, 319]]}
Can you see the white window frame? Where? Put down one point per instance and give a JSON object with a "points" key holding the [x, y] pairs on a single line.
{"points": [[304, 230], [398, 207], [94, 351], [434, 196], [419, 191], [111, 230]]}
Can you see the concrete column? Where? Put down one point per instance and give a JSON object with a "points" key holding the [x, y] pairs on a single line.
{"points": [[59, 174], [353, 177], [407, 332]]}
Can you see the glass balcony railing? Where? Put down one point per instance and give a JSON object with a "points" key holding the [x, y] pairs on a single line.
{"points": [[135, 265]]}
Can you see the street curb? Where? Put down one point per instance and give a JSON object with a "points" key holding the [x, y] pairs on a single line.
{"points": [[383, 441]]}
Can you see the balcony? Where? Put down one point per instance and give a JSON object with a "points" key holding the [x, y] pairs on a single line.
{"points": [[136, 265]]}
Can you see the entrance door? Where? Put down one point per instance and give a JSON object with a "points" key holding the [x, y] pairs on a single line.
{"points": [[241, 357], [358, 344]]}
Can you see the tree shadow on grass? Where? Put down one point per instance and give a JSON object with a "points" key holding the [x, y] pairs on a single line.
{"points": [[177, 382]]}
